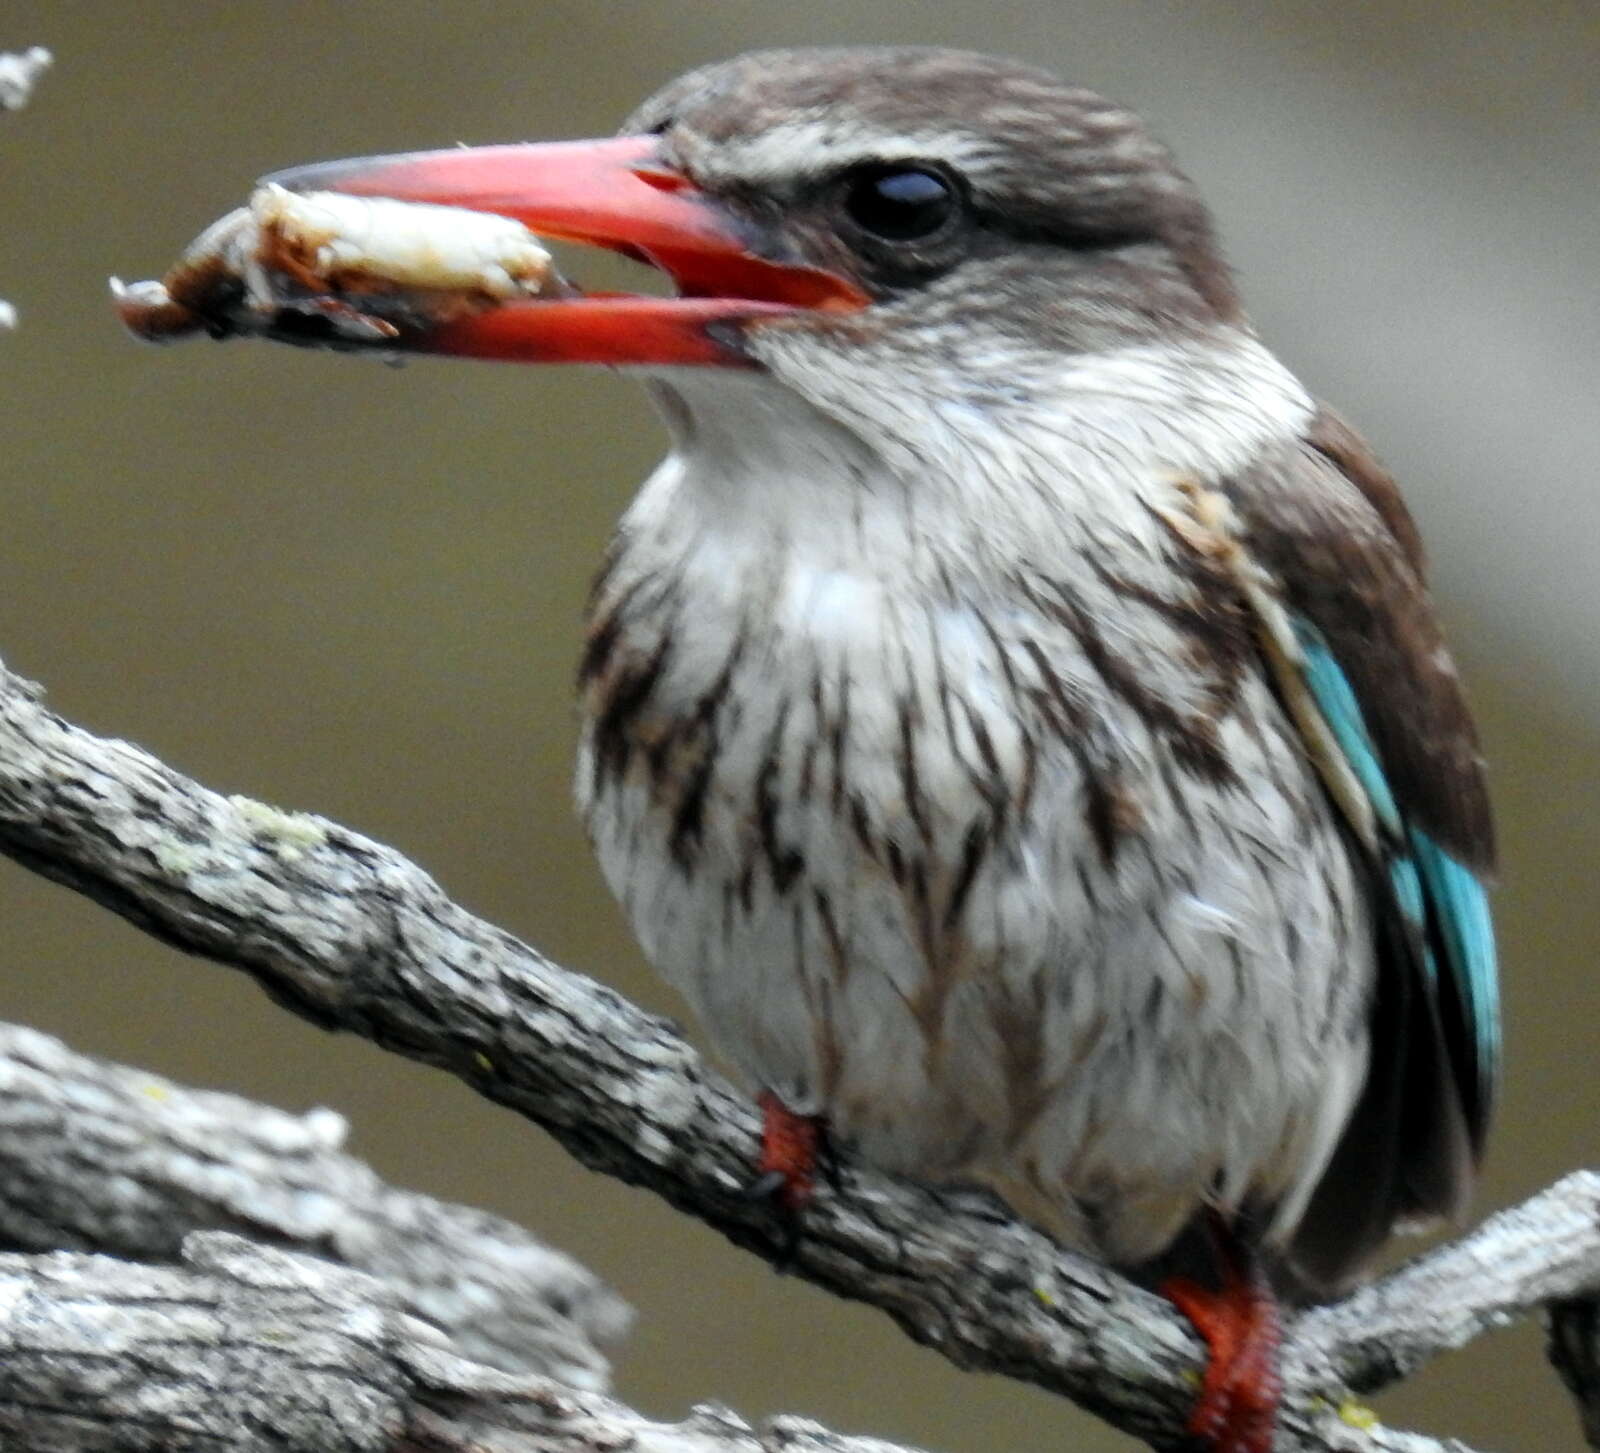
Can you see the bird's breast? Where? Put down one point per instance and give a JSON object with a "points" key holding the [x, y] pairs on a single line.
{"points": [[812, 704], [991, 763], [934, 854]]}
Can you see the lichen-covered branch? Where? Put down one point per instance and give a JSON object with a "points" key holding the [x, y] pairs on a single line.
{"points": [[248, 1350], [96, 1157], [1521, 1259], [251, 1350], [347, 932]]}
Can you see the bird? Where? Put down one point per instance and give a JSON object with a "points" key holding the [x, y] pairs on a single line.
{"points": [[1014, 715]]}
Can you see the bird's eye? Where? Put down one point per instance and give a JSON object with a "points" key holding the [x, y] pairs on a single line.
{"points": [[900, 203]]}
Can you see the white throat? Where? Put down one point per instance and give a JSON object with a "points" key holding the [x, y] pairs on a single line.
{"points": [[809, 464]]}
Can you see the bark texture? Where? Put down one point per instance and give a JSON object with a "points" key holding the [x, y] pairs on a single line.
{"points": [[243, 1349], [95, 1157]]}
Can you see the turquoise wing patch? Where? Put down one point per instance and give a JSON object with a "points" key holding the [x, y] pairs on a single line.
{"points": [[1443, 902]]}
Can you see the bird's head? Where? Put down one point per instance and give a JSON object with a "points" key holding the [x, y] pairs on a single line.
{"points": [[904, 238], [864, 193]]}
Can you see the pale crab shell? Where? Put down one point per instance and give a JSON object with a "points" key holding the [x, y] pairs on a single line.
{"points": [[444, 260], [409, 244]]}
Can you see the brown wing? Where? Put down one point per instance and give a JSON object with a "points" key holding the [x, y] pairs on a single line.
{"points": [[1326, 522], [1330, 525]]}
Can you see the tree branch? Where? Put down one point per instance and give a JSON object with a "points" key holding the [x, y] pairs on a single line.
{"points": [[258, 1351], [1517, 1261], [96, 1157], [251, 1350], [350, 934]]}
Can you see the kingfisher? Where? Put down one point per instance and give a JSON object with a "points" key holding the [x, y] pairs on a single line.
{"points": [[1014, 716]]}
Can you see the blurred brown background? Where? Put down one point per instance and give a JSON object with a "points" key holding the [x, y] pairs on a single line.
{"points": [[355, 590]]}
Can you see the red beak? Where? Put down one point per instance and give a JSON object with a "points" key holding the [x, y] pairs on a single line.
{"points": [[615, 194]]}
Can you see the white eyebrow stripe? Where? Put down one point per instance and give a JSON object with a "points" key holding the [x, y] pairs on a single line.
{"points": [[809, 144]]}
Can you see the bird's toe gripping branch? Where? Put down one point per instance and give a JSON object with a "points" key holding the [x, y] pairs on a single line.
{"points": [[792, 1149], [1237, 1409]]}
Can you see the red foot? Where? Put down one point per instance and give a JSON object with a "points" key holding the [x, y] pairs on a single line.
{"points": [[1238, 1405], [790, 1146]]}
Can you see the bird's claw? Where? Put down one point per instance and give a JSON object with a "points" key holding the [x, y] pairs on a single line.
{"points": [[793, 1149], [1237, 1409]]}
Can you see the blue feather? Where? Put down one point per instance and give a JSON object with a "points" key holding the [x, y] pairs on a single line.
{"points": [[1467, 931], [1442, 901], [1337, 701]]}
